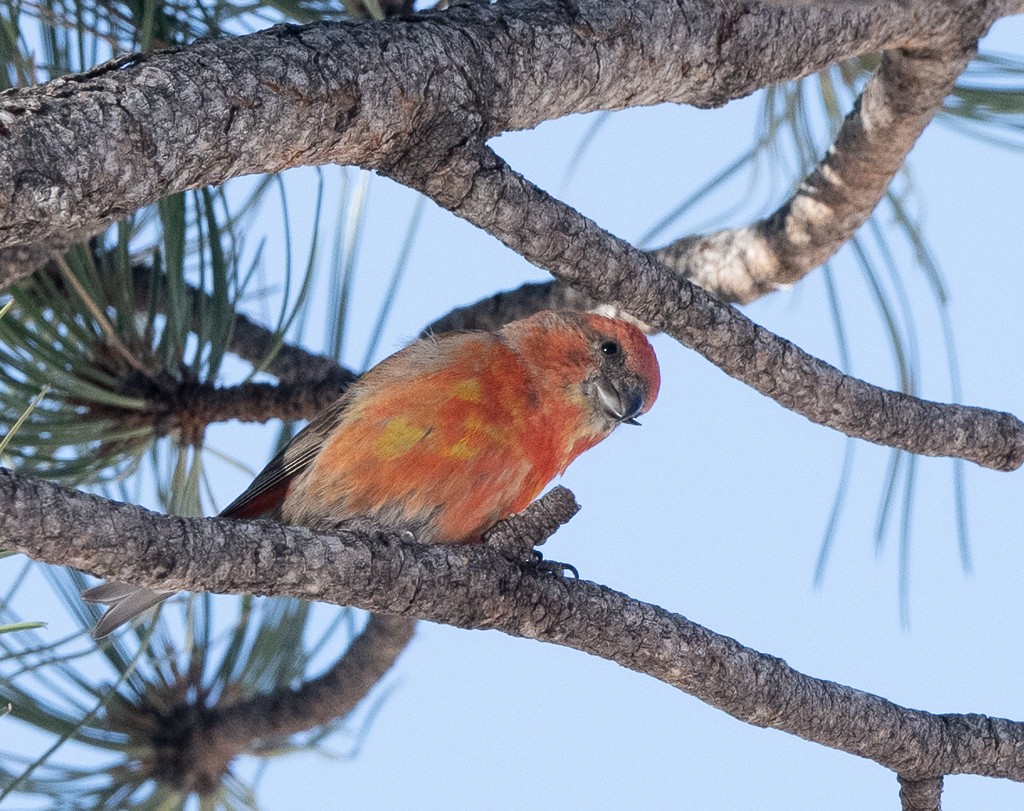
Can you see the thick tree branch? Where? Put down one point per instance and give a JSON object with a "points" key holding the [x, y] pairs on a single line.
{"points": [[309, 384], [483, 189], [187, 410], [495, 311], [252, 342], [197, 759], [330, 696], [743, 264], [474, 587], [83, 151]]}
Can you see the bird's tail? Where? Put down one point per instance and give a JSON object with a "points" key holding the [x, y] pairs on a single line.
{"points": [[125, 604]]}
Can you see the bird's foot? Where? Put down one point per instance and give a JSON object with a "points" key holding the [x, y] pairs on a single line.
{"points": [[558, 569]]}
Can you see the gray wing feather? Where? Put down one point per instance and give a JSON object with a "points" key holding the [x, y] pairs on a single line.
{"points": [[295, 457], [108, 592], [126, 603]]}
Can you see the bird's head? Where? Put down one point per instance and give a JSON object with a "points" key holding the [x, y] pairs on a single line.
{"points": [[606, 367], [624, 377]]}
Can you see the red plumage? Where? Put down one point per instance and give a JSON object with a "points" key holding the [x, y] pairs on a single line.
{"points": [[454, 432]]}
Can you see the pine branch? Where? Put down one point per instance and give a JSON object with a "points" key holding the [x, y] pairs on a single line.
{"points": [[251, 341], [475, 587], [186, 409], [195, 748], [495, 311], [82, 151], [480, 187], [743, 264]]}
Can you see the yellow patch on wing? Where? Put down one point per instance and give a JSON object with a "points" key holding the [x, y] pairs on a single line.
{"points": [[398, 436], [469, 390], [462, 451]]}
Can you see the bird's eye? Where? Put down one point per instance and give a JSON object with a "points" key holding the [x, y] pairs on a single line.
{"points": [[610, 348]]}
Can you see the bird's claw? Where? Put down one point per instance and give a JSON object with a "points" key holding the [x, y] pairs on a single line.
{"points": [[516, 536], [554, 567]]}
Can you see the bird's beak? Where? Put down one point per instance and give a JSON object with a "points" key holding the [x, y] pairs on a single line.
{"points": [[622, 400]]}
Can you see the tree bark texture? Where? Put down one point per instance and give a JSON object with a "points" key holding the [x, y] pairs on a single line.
{"points": [[83, 151], [574, 248], [475, 587], [921, 795], [185, 743], [743, 264]]}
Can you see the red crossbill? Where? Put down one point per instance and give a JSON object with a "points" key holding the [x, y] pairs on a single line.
{"points": [[448, 436]]}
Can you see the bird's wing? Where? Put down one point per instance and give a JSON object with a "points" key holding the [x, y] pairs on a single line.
{"points": [[403, 369], [268, 489]]}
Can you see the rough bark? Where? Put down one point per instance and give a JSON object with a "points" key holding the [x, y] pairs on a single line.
{"points": [[82, 151], [743, 264], [740, 265], [560, 239], [475, 587], [416, 99], [495, 311], [189, 408], [200, 742], [330, 696], [921, 795], [516, 536], [253, 342]]}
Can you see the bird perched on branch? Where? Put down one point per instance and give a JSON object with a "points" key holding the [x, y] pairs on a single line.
{"points": [[448, 436]]}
